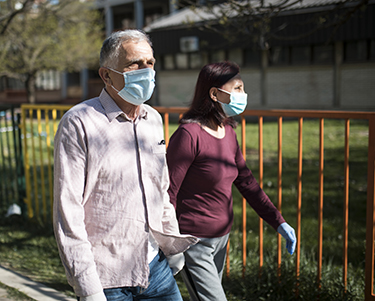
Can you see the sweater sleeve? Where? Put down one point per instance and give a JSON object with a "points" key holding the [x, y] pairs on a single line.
{"points": [[180, 155], [254, 195]]}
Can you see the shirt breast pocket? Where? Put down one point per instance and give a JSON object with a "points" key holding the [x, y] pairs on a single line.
{"points": [[159, 149]]}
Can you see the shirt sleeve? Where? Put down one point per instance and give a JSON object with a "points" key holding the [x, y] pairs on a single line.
{"points": [[69, 184], [254, 195], [170, 224], [180, 155]]}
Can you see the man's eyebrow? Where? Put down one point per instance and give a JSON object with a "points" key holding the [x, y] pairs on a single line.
{"points": [[139, 60]]}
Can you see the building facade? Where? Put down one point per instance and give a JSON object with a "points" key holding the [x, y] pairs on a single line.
{"points": [[329, 69], [316, 71]]}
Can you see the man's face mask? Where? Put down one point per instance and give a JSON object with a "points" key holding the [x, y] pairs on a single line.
{"points": [[237, 104], [139, 85]]}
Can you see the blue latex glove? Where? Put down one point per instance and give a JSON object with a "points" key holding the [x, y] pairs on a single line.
{"points": [[287, 232]]}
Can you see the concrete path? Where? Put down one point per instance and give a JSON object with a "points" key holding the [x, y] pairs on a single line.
{"points": [[34, 290]]}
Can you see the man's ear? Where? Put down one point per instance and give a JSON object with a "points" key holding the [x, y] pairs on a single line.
{"points": [[213, 93], [104, 75]]}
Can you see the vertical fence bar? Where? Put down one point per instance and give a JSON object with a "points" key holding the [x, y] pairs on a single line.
{"points": [[20, 168], [17, 157], [346, 206], [49, 149], [30, 210], [299, 200], [3, 186], [11, 172], [166, 128], [320, 212], [41, 166], [36, 190], [261, 186], [279, 188], [228, 260], [243, 142], [54, 118], [370, 218]]}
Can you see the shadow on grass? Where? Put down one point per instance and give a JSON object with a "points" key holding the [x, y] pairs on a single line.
{"points": [[268, 286], [30, 249]]}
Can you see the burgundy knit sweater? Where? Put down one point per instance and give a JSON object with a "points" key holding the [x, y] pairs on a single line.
{"points": [[202, 169]]}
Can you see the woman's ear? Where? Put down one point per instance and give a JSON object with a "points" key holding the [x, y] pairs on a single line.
{"points": [[104, 74], [213, 94]]}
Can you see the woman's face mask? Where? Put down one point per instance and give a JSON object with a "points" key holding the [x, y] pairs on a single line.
{"points": [[237, 104], [139, 85]]}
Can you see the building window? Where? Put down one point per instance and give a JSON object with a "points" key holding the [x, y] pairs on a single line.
{"points": [[196, 60], [279, 56], [48, 80], [218, 56], [323, 54], [372, 50], [182, 61], [15, 84], [235, 55], [3, 83], [355, 51], [301, 55], [252, 57], [168, 62]]}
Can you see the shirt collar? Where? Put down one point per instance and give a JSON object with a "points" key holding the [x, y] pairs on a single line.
{"points": [[112, 110]]}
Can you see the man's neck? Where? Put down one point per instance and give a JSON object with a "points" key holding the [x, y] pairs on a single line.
{"points": [[129, 109]]}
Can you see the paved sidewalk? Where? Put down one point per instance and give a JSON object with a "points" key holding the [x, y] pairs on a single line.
{"points": [[34, 290]]}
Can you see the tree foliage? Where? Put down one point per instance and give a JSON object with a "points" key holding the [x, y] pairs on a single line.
{"points": [[9, 9], [57, 35]]}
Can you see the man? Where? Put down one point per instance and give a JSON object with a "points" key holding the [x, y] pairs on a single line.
{"points": [[113, 221]]}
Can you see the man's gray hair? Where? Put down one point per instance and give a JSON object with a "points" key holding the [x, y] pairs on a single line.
{"points": [[110, 51]]}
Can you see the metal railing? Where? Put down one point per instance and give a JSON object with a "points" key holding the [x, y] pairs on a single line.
{"points": [[39, 125], [11, 161], [370, 219], [38, 146]]}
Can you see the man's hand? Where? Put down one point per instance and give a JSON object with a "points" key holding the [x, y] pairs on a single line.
{"points": [[96, 297], [176, 262]]}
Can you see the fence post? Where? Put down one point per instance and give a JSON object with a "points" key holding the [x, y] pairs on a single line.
{"points": [[370, 218]]}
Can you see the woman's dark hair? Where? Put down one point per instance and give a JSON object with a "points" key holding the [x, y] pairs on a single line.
{"points": [[203, 109]]}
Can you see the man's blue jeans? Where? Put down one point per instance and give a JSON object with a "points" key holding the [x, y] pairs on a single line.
{"points": [[162, 285]]}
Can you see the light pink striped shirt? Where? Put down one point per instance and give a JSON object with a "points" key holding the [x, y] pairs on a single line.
{"points": [[111, 182]]}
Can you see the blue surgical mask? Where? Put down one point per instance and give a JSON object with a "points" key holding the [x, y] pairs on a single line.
{"points": [[139, 85], [237, 104]]}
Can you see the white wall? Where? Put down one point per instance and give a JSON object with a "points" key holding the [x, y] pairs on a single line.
{"points": [[358, 86], [287, 87], [176, 88], [309, 87], [251, 79]]}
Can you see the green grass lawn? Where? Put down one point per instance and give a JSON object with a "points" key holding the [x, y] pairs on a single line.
{"points": [[31, 250]]}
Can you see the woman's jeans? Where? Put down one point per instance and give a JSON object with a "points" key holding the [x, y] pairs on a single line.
{"points": [[162, 285]]}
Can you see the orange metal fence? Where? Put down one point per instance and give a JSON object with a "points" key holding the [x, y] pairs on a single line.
{"points": [[321, 115], [40, 123]]}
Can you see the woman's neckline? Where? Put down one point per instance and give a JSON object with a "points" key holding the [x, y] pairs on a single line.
{"points": [[218, 134]]}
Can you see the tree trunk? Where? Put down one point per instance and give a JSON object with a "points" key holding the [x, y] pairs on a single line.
{"points": [[30, 88]]}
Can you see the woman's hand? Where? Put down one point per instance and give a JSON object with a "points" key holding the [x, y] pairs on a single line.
{"points": [[287, 232]]}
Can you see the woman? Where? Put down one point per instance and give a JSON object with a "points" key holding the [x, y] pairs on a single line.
{"points": [[204, 160]]}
